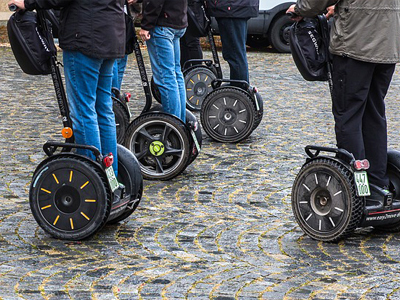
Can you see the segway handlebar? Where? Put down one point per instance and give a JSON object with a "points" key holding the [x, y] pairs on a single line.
{"points": [[217, 82], [318, 149], [51, 146]]}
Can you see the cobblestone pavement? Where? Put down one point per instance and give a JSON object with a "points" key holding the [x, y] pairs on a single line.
{"points": [[222, 230]]}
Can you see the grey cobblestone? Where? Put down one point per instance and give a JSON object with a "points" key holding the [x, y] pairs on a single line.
{"points": [[221, 230]]}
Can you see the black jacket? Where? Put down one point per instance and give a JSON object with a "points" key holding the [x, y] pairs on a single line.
{"points": [[233, 8], [164, 13], [95, 28]]}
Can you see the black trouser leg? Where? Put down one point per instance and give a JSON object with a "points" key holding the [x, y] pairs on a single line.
{"points": [[190, 48], [359, 89]]}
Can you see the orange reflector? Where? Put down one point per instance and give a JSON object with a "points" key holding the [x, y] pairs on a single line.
{"points": [[66, 132]]}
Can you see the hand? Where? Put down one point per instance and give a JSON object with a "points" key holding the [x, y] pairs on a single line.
{"points": [[331, 12], [291, 10], [19, 3], [132, 1], [144, 35]]}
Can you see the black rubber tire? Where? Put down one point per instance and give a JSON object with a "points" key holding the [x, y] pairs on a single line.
{"points": [[191, 121], [324, 200], [121, 120], [69, 197], [228, 115], [155, 129], [257, 41], [154, 90], [393, 171], [279, 34], [260, 112], [130, 176], [198, 86]]}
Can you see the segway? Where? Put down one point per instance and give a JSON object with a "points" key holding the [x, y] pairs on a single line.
{"points": [[230, 110], [71, 196], [330, 195], [163, 144]]}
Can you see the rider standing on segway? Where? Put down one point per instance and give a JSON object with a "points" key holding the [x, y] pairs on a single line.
{"points": [[232, 17], [365, 46], [92, 36], [163, 23]]}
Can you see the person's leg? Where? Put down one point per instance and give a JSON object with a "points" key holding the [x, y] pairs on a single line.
{"points": [[351, 81], [179, 76], [105, 114], [374, 124], [81, 77], [118, 71], [162, 59], [190, 48], [233, 34]]}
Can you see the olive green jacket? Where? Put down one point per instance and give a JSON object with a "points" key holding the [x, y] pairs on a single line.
{"points": [[366, 30]]}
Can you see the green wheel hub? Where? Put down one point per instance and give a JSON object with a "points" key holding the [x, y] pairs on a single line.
{"points": [[157, 148]]}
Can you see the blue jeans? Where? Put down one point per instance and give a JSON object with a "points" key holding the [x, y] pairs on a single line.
{"points": [[233, 33], [88, 85], [118, 71], [164, 52]]}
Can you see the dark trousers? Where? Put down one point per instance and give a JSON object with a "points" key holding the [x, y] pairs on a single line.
{"points": [[190, 48], [359, 90], [233, 32]]}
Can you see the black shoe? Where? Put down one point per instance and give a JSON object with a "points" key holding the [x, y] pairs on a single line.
{"points": [[380, 196]]}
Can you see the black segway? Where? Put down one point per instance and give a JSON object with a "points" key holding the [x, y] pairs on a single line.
{"points": [[71, 196], [330, 195], [161, 142], [229, 109]]}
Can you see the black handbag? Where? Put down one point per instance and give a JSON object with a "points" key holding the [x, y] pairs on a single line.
{"points": [[309, 44], [32, 46], [198, 21], [130, 31]]}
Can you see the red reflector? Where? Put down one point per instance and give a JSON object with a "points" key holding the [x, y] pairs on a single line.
{"points": [[255, 89], [108, 160], [127, 97], [361, 164]]}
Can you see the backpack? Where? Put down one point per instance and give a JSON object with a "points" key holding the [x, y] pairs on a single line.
{"points": [[198, 21], [309, 44], [32, 46]]}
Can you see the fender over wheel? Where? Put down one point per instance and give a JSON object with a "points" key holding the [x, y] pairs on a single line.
{"points": [[160, 143], [228, 114], [198, 86], [130, 176], [324, 200], [154, 90], [69, 197], [121, 120]]}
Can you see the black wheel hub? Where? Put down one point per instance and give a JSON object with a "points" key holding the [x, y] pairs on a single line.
{"points": [[67, 199], [229, 116], [200, 89]]}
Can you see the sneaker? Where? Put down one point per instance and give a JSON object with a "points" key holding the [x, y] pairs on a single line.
{"points": [[380, 195]]}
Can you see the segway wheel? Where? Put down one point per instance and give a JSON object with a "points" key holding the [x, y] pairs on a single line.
{"points": [[155, 91], [393, 171], [69, 197], [260, 112], [130, 176], [198, 86], [160, 143], [324, 200], [228, 114], [121, 120]]}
